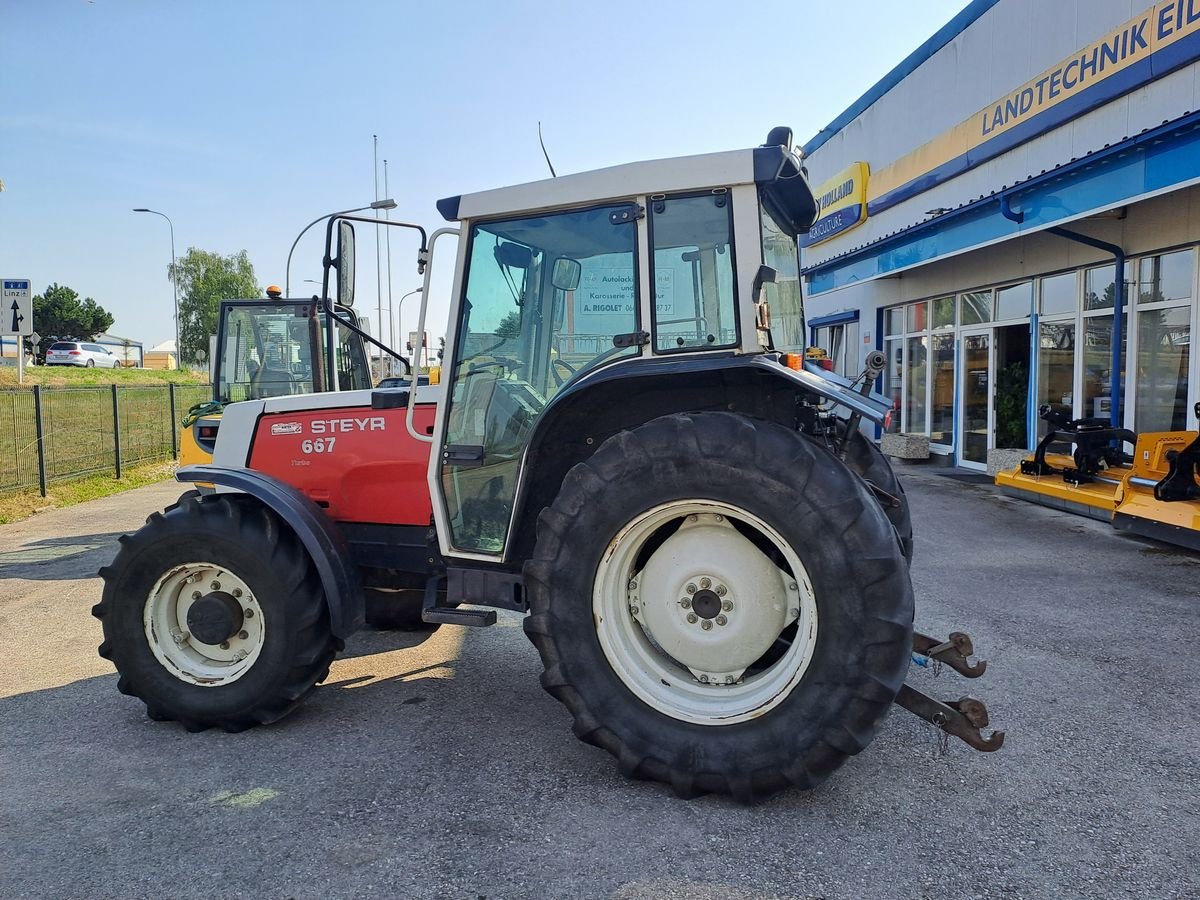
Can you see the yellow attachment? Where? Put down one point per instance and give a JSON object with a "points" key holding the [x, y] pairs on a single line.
{"points": [[1096, 499], [1177, 522]]}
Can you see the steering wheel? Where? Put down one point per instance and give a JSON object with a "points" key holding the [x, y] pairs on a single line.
{"points": [[509, 364]]}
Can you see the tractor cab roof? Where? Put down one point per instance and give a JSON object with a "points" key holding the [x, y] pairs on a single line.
{"points": [[775, 167]]}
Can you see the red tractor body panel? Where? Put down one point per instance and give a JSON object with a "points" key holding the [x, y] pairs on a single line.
{"points": [[359, 463]]}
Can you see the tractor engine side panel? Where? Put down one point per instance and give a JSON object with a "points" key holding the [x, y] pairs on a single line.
{"points": [[359, 464]]}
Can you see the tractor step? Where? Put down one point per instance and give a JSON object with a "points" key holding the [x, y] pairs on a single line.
{"points": [[476, 617]]}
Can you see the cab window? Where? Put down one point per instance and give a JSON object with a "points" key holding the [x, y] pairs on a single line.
{"points": [[695, 301]]}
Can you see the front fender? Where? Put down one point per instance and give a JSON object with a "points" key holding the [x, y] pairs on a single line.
{"points": [[317, 532]]}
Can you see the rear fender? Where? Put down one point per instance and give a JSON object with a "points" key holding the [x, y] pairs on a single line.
{"points": [[320, 535]]}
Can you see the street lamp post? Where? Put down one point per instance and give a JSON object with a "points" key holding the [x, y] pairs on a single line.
{"points": [[287, 273], [174, 279], [399, 323]]}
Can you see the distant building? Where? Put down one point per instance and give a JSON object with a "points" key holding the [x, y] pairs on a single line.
{"points": [[160, 356], [128, 351]]}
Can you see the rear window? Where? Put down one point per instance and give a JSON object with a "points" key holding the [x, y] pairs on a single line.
{"points": [[64, 345]]}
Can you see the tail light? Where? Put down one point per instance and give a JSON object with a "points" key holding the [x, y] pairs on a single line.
{"points": [[75, 353]]}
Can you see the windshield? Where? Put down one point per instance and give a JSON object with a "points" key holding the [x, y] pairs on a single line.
{"points": [[545, 297], [784, 297], [267, 351]]}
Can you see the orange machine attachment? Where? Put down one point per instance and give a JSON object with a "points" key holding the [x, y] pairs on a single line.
{"points": [[1161, 497]]}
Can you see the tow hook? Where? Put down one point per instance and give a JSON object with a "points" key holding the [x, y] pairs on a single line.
{"points": [[964, 717]]}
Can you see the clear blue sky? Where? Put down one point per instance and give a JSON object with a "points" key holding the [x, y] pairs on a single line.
{"points": [[243, 121]]}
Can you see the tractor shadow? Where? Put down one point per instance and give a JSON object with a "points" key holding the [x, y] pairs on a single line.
{"points": [[60, 559]]}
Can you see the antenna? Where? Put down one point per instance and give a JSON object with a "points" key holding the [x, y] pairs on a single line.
{"points": [[553, 174]]}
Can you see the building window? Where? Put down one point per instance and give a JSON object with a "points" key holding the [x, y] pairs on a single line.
{"points": [[975, 308], [1060, 294], [1014, 302], [1164, 302]]}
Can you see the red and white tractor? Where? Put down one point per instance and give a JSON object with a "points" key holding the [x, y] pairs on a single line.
{"points": [[627, 445]]}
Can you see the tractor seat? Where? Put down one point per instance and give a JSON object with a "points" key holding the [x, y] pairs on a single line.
{"points": [[271, 382]]}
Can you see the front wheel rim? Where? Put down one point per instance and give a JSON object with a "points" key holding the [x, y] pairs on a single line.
{"points": [[187, 656], [705, 612]]}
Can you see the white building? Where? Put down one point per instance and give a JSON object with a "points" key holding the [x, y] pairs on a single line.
{"points": [[979, 201]]}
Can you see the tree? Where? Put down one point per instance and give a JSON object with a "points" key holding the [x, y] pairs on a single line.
{"points": [[59, 314], [205, 279]]}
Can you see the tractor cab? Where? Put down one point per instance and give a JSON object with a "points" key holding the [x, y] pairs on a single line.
{"points": [[265, 348], [678, 266]]}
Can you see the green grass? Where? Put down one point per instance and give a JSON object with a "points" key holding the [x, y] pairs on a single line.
{"points": [[23, 504], [69, 376]]}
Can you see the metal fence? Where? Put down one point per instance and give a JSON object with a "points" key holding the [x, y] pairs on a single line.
{"points": [[53, 434]]}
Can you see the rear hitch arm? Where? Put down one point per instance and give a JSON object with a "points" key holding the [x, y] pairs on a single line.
{"points": [[954, 652], [962, 718]]}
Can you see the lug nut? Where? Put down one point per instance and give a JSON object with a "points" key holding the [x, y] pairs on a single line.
{"points": [[249, 613], [692, 618], [727, 605], [704, 679], [721, 620], [722, 590], [691, 518], [195, 595], [729, 679], [719, 518], [237, 592], [634, 610], [796, 611], [706, 624], [245, 634], [686, 602], [224, 645], [706, 583], [216, 585], [691, 589], [792, 586], [632, 585]]}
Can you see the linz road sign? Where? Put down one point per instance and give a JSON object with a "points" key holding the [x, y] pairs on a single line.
{"points": [[16, 308]]}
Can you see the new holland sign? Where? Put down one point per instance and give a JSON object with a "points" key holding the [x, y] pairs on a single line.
{"points": [[843, 204]]}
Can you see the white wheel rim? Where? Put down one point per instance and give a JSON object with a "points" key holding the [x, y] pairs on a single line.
{"points": [[710, 674], [165, 618]]}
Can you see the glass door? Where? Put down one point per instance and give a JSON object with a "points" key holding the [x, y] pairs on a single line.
{"points": [[975, 422]]}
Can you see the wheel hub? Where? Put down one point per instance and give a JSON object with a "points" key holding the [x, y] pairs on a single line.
{"points": [[204, 624], [718, 621], [706, 604], [215, 618]]}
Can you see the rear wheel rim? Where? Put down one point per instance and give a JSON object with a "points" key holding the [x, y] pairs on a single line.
{"points": [[165, 619], [705, 612]]}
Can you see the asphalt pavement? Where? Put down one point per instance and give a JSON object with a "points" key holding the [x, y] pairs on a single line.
{"points": [[435, 766]]}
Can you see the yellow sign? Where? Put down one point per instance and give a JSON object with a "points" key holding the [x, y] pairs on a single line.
{"points": [[842, 201], [1113, 65]]}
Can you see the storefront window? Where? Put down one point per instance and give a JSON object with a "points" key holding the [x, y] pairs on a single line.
{"points": [[975, 308], [1056, 369], [918, 317], [1058, 294], [1098, 288], [893, 378], [943, 312], [941, 402], [1014, 302], [1164, 340], [1097, 364], [893, 320], [918, 369], [1165, 278]]}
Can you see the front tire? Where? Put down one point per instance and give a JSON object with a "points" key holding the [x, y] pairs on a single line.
{"points": [[213, 614], [691, 519]]}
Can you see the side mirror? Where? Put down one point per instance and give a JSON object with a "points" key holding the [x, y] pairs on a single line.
{"points": [[566, 273], [345, 263]]}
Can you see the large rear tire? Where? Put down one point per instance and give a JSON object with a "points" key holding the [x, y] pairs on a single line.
{"points": [[721, 604], [213, 615]]}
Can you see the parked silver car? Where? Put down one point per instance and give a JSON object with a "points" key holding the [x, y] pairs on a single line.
{"points": [[78, 353]]}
